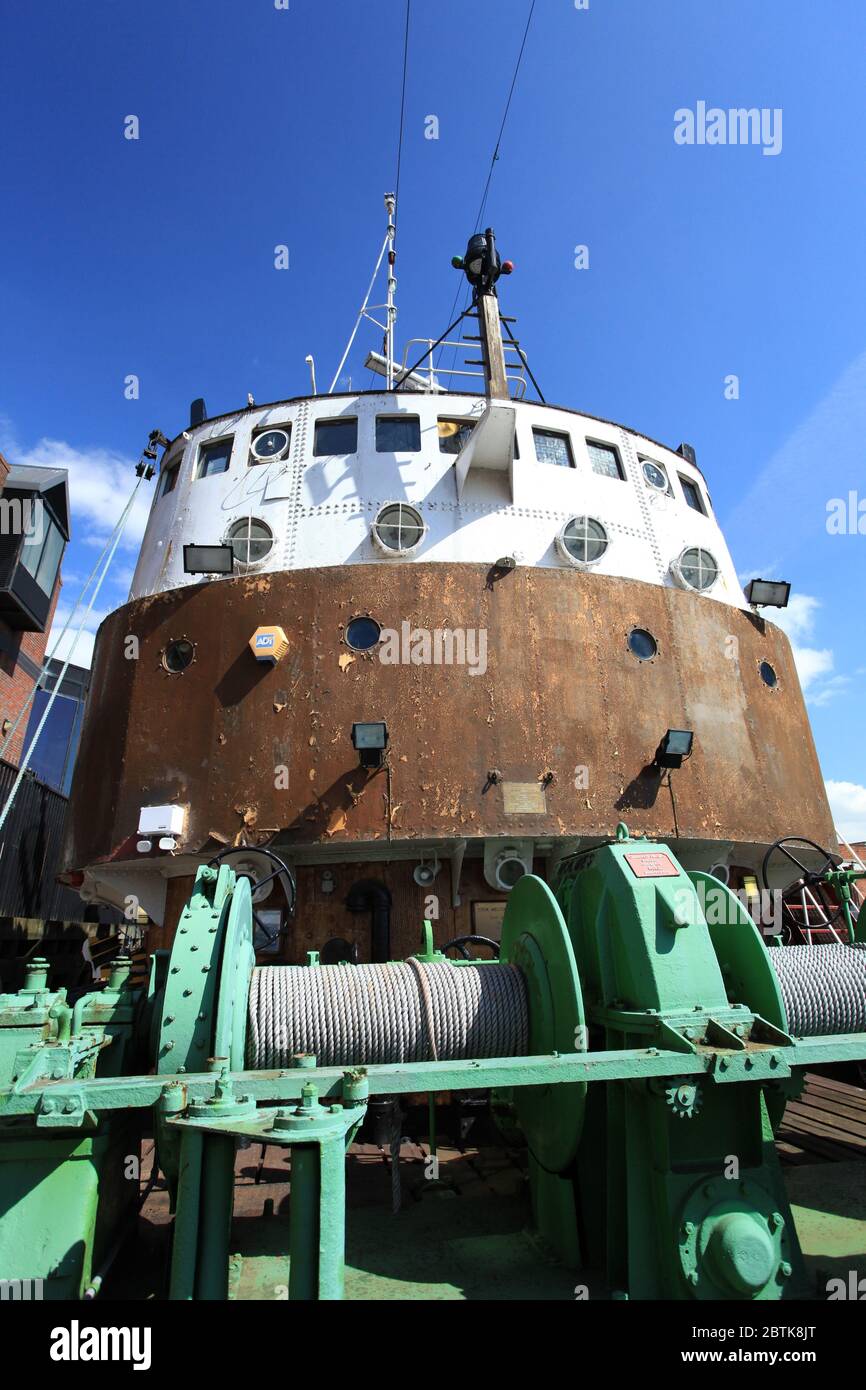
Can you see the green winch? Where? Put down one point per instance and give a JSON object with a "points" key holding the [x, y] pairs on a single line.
{"points": [[629, 972]]}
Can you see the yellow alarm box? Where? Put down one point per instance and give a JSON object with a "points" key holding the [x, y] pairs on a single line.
{"points": [[269, 644]]}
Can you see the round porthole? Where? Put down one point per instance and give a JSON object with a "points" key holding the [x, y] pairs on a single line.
{"points": [[582, 541], [398, 528], [642, 644], [768, 675], [250, 539], [272, 444], [362, 634], [177, 655], [655, 476], [696, 569]]}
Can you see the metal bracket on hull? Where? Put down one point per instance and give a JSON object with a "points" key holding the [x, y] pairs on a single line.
{"points": [[490, 446]]}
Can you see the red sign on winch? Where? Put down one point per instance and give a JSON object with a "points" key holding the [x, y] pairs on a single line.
{"points": [[652, 866]]}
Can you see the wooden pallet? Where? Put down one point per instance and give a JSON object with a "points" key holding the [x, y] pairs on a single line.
{"points": [[827, 1122]]}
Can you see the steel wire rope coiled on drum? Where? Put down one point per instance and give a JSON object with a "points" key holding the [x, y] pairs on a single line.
{"points": [[823, 988], [346, 1015]]}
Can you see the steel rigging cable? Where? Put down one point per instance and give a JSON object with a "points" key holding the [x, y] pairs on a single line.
{"points": [[495, 155], [402, 118], [393, 247]]}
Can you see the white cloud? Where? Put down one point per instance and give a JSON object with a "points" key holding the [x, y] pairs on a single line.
{"points": [[813, 664], [798, 619], [829, 690], [100, 481], [795, 485], [79, 648], [848, 804]]}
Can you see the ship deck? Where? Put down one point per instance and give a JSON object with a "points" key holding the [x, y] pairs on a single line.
{"points": [[468, 1236]]}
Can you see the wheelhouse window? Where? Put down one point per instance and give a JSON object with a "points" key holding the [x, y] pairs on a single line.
{"points": [[399, 529], [583, 540], [551, 447], [169, 476], [214, 458], [697, 569], [604, 459], [271, 444], [398, 434], [335, 437], [251, 540], [654, 475], [453, 434], [692, 494], [42, 551]]}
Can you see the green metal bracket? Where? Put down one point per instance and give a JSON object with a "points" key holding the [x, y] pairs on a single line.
{"points": [[428, 950], [318, 1136]]}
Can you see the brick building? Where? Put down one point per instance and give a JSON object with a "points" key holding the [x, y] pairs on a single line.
{"points": [[34, 530]]}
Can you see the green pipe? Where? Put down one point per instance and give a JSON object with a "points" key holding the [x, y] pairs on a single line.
{"points": [[217, 1196], [62, 1015], [304, 1223], [78, 1014], [186, 1221], [332, 1218]]}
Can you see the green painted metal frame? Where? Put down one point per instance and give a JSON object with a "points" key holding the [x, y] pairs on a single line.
{"points": [[100, 1094], [710, 1019]]}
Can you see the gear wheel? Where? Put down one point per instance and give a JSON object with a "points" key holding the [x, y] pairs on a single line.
{"points": [[684, 1098]]}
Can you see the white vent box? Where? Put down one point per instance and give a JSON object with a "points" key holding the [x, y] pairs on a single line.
{"points": [[161, 820]]}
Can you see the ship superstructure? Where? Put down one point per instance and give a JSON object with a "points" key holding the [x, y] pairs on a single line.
{"points": [[523, 599]]}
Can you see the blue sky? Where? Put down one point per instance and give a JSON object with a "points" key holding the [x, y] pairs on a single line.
{"points": [[261, 126]]}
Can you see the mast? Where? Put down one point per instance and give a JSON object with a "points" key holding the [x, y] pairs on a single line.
{"points": [[390, 304], [367, 310], [482, 267]]}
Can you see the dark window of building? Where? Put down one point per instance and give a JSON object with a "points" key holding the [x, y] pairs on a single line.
{"points": [[335, 437], [34, 512], [604, 459], [42, 551], [214, 458], [398, 434], [692, 494], [453, 434], [553, 448], [53, 758]]}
